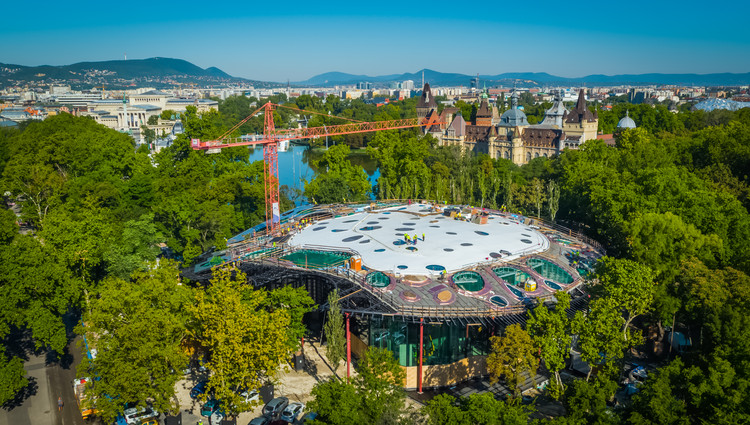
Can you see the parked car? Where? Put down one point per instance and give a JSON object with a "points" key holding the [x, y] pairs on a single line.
{"points": [[292, 411], [308, 417], [274, 407], [198, 389], [209, 407], [135, 415], [250, 396], [263, 420]]}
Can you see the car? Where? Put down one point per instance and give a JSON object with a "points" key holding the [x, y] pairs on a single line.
{"points": [[274, 407], [198, 389], [137, 414], [150, 422], [292, 411], [309, 416], [263, 420], [209, 407], [250, 396]]}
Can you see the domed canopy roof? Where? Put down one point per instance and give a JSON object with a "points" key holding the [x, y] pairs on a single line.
{"points": [[626, 122], [513, 117]]}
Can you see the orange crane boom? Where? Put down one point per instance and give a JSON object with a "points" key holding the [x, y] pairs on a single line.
{"points": [[272, 137]]}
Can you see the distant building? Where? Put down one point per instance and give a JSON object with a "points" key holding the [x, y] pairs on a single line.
{"points": [[510, 136]]}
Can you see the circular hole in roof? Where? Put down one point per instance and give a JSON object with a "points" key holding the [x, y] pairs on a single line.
{"points": [[433, 221], [451, 233], [524, 234], [352, 238], [448, 249], [318, 228], [402, 267], [402, 208], [495, 255], [383, 218], [528, 229], [526, 241], [506, 223], [323, 222], [373, 222], [405, 229], [411, 248], [479, 232], [408, 224], [365, 241], [399, 242], [338, 230], [467, 244], [351, 221], [367, 228], [385, 213], [380, 250], [435, 267], [436, 227], [491, 218]]}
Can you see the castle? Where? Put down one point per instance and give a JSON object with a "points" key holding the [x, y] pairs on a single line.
{"points": [[510, 136]]}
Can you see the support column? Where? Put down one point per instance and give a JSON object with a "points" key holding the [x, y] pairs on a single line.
{"points": [[348, 349], [421, 349]]}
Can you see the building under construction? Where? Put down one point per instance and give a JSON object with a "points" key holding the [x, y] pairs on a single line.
{"points": [[429, 282]]}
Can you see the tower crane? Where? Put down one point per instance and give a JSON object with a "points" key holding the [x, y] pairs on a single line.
{"points": [[272, 136]]}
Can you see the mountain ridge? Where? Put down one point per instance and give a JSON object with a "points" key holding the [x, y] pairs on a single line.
{"points": [[539, 78], [114, 72]]}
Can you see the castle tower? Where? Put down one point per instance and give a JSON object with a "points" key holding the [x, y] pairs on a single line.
{"points": [[581, 124], [426, 103]]}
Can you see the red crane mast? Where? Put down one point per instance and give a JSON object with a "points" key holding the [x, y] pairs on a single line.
{"points": [[272, 137]]}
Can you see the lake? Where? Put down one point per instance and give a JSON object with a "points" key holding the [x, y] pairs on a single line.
{"points": [[295, 167]]}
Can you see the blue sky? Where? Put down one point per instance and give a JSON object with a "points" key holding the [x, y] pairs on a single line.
{"points": [[292, 40]]}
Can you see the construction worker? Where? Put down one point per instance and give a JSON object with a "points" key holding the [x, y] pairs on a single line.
{"points": [[415, 239], [422, 237]]}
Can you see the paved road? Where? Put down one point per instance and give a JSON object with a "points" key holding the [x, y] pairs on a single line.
{"points": [[49, 379]]}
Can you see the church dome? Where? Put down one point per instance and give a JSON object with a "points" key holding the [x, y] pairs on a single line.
{"points": [[626, 122]]}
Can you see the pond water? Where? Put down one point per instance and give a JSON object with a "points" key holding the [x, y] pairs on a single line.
{"points": [[295, 165]]}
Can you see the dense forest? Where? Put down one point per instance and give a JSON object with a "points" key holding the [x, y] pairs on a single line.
{"points": [[670, 202]]}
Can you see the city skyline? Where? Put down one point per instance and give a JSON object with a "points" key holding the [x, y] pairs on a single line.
{"points": [[303, 40]]}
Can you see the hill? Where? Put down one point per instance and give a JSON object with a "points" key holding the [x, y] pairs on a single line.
{"points": [[533, 79], [154, 71]]}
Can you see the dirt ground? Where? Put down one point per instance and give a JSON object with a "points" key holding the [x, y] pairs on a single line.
{"points": [[296, 386]]}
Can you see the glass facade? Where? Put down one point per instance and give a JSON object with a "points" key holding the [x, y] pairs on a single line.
{"points": [[443, 343], [550, 270]]}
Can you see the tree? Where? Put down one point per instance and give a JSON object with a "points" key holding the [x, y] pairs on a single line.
{"points": [[628, 284], [513, 358], [12, 377], [586, 402], [553, 199], [380, 383], [374, 396], [334, 331], [245, 343], [537, 195], [138, 328], [477, 409], [336, 403], [550, 330], [337, 180], [600, 336], [296, 302]]}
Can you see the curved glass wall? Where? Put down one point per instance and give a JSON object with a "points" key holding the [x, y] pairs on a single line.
{"points": [[469, 281], [550, 270], [443, 343], [511, 275], [378, 279], [312, 259]]}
